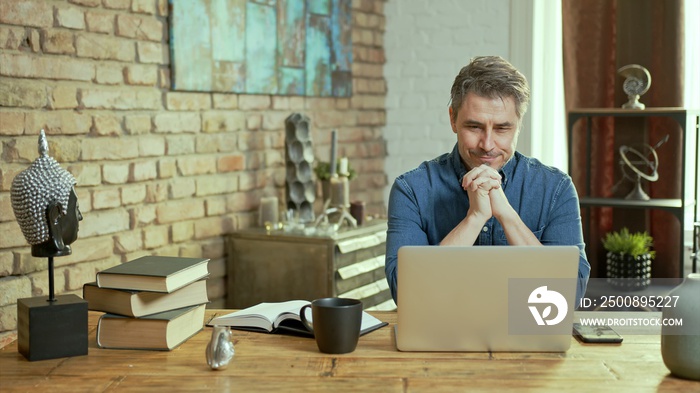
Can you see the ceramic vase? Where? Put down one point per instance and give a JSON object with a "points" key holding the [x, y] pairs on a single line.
{"points": [[680, 345]]}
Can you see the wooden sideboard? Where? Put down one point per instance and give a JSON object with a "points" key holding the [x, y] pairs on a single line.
{"points": [[277, 266]]}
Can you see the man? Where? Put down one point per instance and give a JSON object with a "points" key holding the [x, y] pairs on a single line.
{"points": [[484, 192]]}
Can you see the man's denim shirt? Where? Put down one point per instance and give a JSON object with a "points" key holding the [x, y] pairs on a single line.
{"points": [[426, 203]]}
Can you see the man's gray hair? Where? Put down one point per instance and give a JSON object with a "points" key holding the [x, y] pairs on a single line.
{"points": [[490, 77], [35, 188]]}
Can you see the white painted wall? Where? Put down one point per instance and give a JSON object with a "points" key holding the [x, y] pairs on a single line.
{"points": [[426, 44]]}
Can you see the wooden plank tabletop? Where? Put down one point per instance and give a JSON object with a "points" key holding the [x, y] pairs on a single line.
{"points": [[265, 362]]}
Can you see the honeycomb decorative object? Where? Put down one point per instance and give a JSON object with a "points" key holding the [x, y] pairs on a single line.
{"points": [[300, 188]]}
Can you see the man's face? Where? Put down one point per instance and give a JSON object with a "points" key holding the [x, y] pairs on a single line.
{"points": [[487, 130]]}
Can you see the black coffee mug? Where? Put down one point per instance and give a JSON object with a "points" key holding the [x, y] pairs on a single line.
{"points": [[336, 323]]}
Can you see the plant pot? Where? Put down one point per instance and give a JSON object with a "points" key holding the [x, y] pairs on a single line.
{"points": [[627, 272]]}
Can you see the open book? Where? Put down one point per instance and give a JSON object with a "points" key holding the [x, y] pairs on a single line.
{"points": [[272, 317]]}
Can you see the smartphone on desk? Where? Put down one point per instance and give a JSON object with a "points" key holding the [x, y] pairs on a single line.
{"points": [[596, 334]]}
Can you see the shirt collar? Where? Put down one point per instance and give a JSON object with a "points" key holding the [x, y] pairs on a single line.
{"points": [[457, 164], [507, 171], [460, 170]]}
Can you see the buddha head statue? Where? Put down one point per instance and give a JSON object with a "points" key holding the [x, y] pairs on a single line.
{"points": [[46, 205]]}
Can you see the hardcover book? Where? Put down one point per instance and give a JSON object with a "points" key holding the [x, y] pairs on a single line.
{"points": [[282, 316], [140, 303], [162, 331], [154, 273]]}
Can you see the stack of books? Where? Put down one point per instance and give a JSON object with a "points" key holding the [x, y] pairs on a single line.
{"points": [[153, 302]]}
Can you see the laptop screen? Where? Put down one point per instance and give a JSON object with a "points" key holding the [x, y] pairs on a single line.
{"points": [[486, 298]]}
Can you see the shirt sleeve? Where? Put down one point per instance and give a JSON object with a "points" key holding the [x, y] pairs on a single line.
{"points": [[564, 228], [404, 228]]}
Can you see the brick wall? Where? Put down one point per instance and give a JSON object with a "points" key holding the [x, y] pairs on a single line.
{"points": [[158, 171]]}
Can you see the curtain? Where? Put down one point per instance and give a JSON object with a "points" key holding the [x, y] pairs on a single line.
{"points": [[599, 37]]}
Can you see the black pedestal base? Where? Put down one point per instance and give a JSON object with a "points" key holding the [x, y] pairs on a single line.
{"points": [[50, 330]]}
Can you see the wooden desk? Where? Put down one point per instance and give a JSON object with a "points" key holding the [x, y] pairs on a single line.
{"points": [[281, 363]]}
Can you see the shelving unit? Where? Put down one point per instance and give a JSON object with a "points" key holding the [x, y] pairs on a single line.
{"points": [[689, 122]]}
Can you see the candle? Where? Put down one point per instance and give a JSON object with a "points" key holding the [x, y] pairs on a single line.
{"points": [[333, 152], [340, 192], [268, 211], [343, 171], [357, 211]]}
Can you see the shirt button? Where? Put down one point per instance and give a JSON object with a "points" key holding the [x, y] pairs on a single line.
{"points": [[486, 229]]}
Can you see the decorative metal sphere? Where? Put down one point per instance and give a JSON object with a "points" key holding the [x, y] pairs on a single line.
{"points": [[637, 82], [633, 86]]}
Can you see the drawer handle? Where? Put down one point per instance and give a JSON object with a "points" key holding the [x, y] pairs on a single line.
{"points": [[361, 267], [358, 243]]}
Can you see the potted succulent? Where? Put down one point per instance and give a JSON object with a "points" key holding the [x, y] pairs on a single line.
{"points": [[629, 257], [323, 173]]}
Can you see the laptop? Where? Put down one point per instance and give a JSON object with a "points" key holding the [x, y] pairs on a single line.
{"points": [[486, 298]]}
